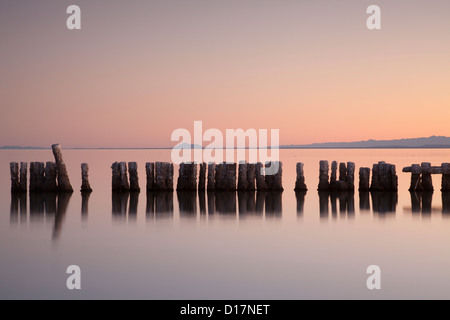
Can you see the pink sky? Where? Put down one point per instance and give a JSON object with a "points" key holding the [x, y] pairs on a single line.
{"points": [[140, 69]]}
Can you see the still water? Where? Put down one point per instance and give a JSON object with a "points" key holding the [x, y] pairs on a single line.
{"points": [[225, 245]]}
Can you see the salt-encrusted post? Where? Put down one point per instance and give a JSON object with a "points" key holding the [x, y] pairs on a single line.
{"points": [[37, 177], [364, 175], [300, 181], [85, 186], [416, 184], [427, 183], [375, 186], [115, 176], [14, 170], [323, 175], [260, 179], [276, 180], [202, 177], [124, 185], [351, 175], [342, 172], [63, 178], [187, 177], [242, 176], [23, 177], [211, 176], [163, 176], [333, 177], [445, 185], [251, 176], [150, 170], [50, 177], [134, 180]]}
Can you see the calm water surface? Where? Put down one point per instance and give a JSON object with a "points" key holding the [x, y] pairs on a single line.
{"points": [[224, 245]]}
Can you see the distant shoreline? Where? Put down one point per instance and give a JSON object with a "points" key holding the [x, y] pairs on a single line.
{"points": [[281, 148]]}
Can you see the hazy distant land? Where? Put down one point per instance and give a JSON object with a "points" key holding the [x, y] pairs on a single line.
{"points": [[433, 142]]}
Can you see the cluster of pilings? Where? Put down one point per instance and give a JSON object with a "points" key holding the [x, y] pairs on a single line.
{"points": [[51, 177], [384, 178], [222, 177], [346, 180], [421, 176], [120, 181]]}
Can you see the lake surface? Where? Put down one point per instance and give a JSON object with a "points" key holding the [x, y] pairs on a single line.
{"points": [[225, 245]]}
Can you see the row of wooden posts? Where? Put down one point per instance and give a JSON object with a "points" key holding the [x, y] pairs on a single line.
{"points": [[222, 177]]}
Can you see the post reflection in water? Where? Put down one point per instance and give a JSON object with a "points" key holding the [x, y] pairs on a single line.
{"points": [[61, 209], [187, 202], [421, 202], [300, 197], [132, 211], [247, 204], [364, 201], [222, 202], [346, 204], [446, 203], [85, 205], [273, 203], [159, 205], [384, 203]]}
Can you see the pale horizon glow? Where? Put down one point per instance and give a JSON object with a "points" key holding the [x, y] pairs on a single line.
{"points": [[138, 70]]}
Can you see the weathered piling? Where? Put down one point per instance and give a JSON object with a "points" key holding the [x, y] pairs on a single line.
{"points": [[85, 186], [14, 170], [251, 176], [445, 184], [163, 176], [364, 177], [187, 177], [342, 172], [225, 177], [323, 175], [211, 177], [50, 184], [134, 180], [384, 177], [427, 183], [260, 177], [124, 185], [350, 175], [274, 181], [416, 181], [63, 178], [300, 180], [242, 176], [150, 171], [115, 176], [202, 177], [37, 177], [333, 177], [23, 183]]}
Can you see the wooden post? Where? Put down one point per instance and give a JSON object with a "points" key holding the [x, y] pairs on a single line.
{"points": [[260, 177], [211, 177], [134, 180], [202, 177], [23, 177], [50, 177], [342, 172], [445, 185], [242, 177], [427, 183], [14, 170], [364, 175], [416, 183], [300, 181], [115, 176], [187, 177], [150, 170], [251, 176], [375, 186], [85, 186], [333, 177], [63, 178], [163, 176], [350, 178], [323, 175], [124, 185], [37, 177], [276, 180]]}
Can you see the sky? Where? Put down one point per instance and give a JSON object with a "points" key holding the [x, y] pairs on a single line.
{"points": [[138, 70]]}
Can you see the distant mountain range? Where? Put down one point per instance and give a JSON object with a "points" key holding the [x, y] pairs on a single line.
{"points": [[414, 143]]}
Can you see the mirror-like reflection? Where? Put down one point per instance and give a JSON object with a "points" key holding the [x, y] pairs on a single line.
{"points": [[446, 203], [364, 201], [85, 205], [61, 209], [346, 201], [187, 201], [222, 202], [421, 202], [159, 205], [384, 203], [247, 204], [300, 197]]}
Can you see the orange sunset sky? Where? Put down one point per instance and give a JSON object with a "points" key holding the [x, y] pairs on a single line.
{"points": [[137, 70]]}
